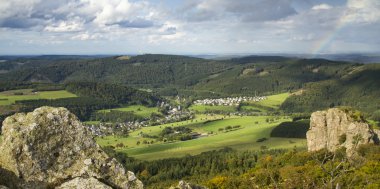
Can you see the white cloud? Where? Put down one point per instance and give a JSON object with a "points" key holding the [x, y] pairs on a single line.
{"points": [[86, 36], [65, 26], [321, 7], [362, 11], [109, 12], [243, 10], [16, 7], [191, 25], [177, 36]]}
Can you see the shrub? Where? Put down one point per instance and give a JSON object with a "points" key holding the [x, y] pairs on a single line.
{"points": [[261, 139], [228, 128], [342, 138], [376, 115]]}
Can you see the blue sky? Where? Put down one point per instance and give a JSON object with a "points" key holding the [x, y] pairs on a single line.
{"points": [[189, 26]]}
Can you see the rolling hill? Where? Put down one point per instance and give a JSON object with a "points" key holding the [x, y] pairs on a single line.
{"points": [[333, 82]]}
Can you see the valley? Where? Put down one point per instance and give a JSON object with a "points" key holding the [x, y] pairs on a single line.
{"points": [[194, 109], [244, 138], [193, 94]]}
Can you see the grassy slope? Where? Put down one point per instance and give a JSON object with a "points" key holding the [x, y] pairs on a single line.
{"points": [[274, 101], [29, 95], [204, 108], [136, 109], [242, 139], [271, 103]]}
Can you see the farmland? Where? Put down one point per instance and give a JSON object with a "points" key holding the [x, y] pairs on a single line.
{"points": [[208, 108], [251, 129], [272, 102], [10, 97], [139, 110]]}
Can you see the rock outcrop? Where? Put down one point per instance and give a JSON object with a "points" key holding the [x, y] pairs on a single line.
{"points": [[185, 185], [336, 128], [50, 147], [81, 183]]}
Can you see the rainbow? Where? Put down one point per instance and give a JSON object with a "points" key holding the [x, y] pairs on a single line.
{"points": [[326, 41]]}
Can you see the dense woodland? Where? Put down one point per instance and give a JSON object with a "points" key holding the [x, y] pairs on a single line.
{"points": [[112, 93], [359, 88]]}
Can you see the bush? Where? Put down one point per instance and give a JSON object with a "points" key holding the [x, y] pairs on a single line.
{"points": [[342, 138], [261, 139], [376, 115]]}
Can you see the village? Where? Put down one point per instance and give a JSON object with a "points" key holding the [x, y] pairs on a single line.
{"points": [[229, 101], [172, 114]]}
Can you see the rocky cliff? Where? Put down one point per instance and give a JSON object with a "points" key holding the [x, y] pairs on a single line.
{"points": [[336, 128], [50, 148]]}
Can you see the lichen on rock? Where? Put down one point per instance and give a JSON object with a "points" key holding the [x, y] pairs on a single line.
{"points": [[50, 146], [336, 128]]}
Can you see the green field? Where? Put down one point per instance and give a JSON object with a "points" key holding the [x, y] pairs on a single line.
{"points": [[9, 97], [253, 108], [241, 139], [272, 102], [139, 110], [207, 108]]}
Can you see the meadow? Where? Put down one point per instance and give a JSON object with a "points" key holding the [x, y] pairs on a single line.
{"points": [[272, 102], [139, 110], [208, 108], [10, 97], [251, 129]]}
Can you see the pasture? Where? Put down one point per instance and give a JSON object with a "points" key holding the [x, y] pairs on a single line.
{"points": [[251, 129], [208, 108], [139, 110], [272, 102], [10, 97]]}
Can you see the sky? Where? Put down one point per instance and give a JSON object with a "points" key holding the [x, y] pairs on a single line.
{"points": [[189, 26]]}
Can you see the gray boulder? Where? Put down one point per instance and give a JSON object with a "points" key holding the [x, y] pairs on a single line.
{"points": [[50, 146], [82, 183], [336, 128]]}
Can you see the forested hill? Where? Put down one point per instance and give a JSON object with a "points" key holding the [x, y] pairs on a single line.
{"points": [[247, 75], [112, 93], [319, 79], [359, 88], [147, 70]]}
